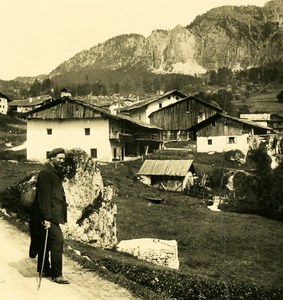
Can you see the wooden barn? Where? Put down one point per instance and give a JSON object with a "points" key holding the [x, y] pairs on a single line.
{"points": [[171, 175], [71, 123], [142, 109], [222, 132], [177, 118]]}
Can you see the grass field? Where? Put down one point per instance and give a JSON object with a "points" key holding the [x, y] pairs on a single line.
{"points": [[217, 245]]}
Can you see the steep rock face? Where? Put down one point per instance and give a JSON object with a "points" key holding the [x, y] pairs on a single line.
{"points": [[230, 36], [175, 52]]}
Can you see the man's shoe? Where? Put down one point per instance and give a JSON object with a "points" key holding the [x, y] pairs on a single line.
{"points": [[60, 280], [46, 274], [32, 252]]}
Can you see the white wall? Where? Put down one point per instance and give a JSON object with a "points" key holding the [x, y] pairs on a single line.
{"points": [[154, 106], [220, 144], [3, 106], [68, 134]]}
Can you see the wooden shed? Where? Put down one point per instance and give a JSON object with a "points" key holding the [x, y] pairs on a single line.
{"points": [[171, 175]]}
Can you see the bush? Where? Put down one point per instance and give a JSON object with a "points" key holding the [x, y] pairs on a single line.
{"points": [[13, 155]]}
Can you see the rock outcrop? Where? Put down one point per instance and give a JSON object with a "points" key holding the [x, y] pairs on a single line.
{"points": [[91, 212]]}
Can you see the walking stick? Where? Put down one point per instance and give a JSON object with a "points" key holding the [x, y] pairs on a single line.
{"points": [[43, 259]]}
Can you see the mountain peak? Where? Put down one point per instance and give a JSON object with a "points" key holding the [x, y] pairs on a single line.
{"points": [[235, 37]]}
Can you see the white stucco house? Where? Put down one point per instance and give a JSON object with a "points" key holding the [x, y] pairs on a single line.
{"points": [[4, 106], [71, 123], [222, 133], [142, 109]]}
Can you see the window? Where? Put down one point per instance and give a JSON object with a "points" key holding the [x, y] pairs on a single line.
{"points": [[231, 140], [93, 153], [160, 105], [49, 131], [87, 131], [209, 142]]}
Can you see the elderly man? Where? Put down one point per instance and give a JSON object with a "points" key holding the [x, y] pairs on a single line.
{"points": [[49, 210]]}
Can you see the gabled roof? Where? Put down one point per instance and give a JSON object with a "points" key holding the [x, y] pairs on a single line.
{"points": [[36, 113], [260, 117], [227, 117], [216, 107], [31, 101], [151, 100], [64, 90], [166, 167], [4, 96]]}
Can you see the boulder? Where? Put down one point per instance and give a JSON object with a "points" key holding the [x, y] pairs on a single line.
{"points": [[156, 251], [91, 212]]}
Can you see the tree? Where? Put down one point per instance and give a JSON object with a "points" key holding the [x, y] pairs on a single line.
{"points": [[280, 97], [46, 86], [35, 88]]}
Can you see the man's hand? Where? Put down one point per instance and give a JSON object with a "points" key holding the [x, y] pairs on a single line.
{"points": [[46, 224]]}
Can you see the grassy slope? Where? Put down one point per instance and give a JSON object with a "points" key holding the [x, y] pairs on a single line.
{"points": [[11, 130], [264, 101], [244, 248]]}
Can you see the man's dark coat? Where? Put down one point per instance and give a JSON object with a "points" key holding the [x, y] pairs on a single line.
{"points": [[49, 204]]}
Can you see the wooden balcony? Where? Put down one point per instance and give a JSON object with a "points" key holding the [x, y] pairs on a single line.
{"points": [[121, 137], [147, 137], [128, 137]]}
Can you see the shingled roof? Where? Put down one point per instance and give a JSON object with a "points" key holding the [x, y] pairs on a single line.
{"points": [[227, 117], [69, 113], [166, 167], [145, 102]]}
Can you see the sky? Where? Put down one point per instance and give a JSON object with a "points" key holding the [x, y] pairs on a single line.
{"points": [[38, 35]]}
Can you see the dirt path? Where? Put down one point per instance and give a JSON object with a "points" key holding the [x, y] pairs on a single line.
{"points": [[19, 281]]}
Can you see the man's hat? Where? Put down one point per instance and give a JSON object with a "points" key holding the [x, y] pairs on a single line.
{"points": [[55, 151]]}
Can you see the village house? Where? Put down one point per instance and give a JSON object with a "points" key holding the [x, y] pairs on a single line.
{"points": [[177, 118], [142, 109], [4, 104], [71, 123], [274, 121], [25, 105], [115, 105], [170, 175], [221, 133]]}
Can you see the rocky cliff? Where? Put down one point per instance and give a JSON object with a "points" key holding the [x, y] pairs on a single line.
{"points": [[229, 36]]}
